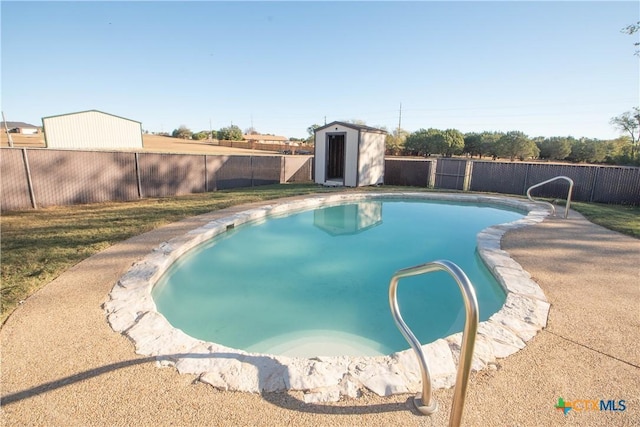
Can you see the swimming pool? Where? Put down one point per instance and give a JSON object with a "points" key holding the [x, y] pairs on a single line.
{"points": [[132, 310], [315, 283]]}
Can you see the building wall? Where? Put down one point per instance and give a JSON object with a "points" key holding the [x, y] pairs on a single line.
{"points": [[351, 158], [91, 130], [371, 162], [28, 131]]}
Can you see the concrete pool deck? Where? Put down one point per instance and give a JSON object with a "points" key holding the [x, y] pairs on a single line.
{"points": [[63, 365]]}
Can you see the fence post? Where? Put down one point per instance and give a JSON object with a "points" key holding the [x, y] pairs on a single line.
{"points": [[32, 194], [468, 170], [525, 185], [431, 180], [251, 167], [138, 176], [206, 180], [283, 169], [594, 183]]}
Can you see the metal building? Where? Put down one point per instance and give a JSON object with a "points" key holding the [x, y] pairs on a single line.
{"points": [[349, 155], [91, 130]]}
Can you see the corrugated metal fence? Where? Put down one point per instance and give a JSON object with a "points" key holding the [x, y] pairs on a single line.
{"points": [[43, 177], [603, 184]]}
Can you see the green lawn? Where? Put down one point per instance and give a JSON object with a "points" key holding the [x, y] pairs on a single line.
{"points": [[37, 246], [624, 219]]}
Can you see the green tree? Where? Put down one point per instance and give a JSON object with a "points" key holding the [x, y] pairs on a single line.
{"points": [[453, 142], [394, 141], [481, 144], [417, 143], [490, 142], [431, 141], [473, 144], [516, 144], [230, 133], [311, 130], [554, 148], [587, 150], [434, 143], [203, 134], [631, 30], [618, 151], [182, 132], [629, 122]]}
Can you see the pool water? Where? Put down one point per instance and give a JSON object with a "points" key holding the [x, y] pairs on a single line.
{"points": [[315, 283]]}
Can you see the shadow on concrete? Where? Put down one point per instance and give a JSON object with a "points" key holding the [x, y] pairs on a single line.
{"points": [[281, 399], [287, 401]]}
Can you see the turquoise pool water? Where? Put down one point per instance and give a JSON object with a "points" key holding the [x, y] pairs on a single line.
{"points": [[315, 283]]}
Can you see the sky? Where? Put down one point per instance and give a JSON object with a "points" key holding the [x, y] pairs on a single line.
{"points": [[544, 68]]}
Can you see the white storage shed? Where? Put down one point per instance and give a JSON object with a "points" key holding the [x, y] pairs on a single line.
{"points": [[91, 130], [349, 155]]}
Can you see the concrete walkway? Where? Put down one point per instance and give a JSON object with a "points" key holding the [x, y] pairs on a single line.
{"points": [[62, 365]]}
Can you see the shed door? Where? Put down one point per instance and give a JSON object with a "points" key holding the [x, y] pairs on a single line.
{"points": [[335, 157]]}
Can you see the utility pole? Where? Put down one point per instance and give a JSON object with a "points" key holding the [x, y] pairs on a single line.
{"points": [[325, 120], [7, 130], [400, 120]]}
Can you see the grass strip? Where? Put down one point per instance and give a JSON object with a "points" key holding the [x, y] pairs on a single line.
{"points": [[621, 218]]}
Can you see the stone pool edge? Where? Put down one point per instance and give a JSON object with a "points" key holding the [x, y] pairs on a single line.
{"points": [[131, 311]]}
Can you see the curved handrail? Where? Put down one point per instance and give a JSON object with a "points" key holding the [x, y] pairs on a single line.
{"points": [[553, 208], [423, 401]]}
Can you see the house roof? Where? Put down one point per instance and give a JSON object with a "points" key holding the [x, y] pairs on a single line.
{"points": [[258, 137], [352, 126], [13, 125], [91, 111]]}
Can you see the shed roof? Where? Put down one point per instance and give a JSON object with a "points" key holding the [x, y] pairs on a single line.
{"points": [[91, 111], [352, 126], [13, 125]]}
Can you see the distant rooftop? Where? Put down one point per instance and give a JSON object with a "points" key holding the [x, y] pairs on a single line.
{"points": [[13, 125]]}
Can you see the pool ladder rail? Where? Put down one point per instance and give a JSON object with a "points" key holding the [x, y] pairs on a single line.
{"points": [[424, 401], [553, 208]]}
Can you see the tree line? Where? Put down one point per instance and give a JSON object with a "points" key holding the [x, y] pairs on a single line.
{"points": [[229, 133], [515, 145]]}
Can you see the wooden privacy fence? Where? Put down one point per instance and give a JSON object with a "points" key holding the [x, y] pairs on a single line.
{"points": [[593, 183], [32, 178]]}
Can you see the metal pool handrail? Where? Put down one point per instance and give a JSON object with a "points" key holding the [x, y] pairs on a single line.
{"points": [[553, 208], [423, 401]]}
